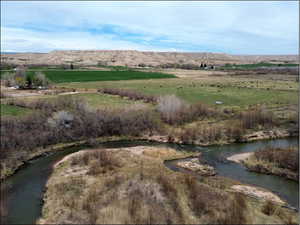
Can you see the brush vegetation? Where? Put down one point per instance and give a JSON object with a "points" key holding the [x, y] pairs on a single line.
{"points": [[278, 161], [132, 186], [68, 118]]}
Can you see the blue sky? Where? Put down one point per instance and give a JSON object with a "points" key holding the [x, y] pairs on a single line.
{"points": [[234, 27]]}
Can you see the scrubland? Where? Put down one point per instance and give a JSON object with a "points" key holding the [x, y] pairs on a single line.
{"points": [[123, 186], [131, 185], [277, 161]]}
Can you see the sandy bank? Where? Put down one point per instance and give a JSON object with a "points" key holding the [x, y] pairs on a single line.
{"points": [[239, 157], [257, 193]]}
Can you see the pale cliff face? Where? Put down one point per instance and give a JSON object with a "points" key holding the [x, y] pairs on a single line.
{"points": [[134, 58]]}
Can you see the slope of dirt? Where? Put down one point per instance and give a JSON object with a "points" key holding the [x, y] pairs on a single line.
{"points": [[134, 58]]}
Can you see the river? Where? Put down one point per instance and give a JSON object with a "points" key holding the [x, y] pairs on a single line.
{"points": [[28, 184]]}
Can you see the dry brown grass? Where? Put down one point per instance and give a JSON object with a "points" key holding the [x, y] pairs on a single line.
{"points": [[123, 195], [139, 190], [277, 161], [269, 208]]}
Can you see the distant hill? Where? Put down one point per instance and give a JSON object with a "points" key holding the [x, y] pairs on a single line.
{"points": [[2, 53], [136, 58]]}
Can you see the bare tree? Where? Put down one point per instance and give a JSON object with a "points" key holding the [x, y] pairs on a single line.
{"points": [[170, 106], [40, 80]]}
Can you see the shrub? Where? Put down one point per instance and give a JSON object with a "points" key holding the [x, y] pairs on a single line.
{"points": [[8, 80], [61, 119], [269, 208], [40, 79], [257, 117], [21, 78], [235, 131], [132, 95], [174, 110], [67, 119], [284, 158], [213, 206], [171, 108]]}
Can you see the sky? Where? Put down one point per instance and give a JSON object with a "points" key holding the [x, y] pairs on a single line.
{"points": [[233, 27]]}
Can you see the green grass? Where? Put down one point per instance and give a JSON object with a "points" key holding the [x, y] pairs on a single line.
{"points": [[96, 100], [5, 71], [62, 76], [9, 110], [256, 65], [230, 96]]}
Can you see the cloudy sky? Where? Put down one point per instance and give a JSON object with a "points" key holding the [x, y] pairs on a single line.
{"points": [[233, 27]]}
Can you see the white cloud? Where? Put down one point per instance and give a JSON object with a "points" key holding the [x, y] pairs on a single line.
{"points": [[224, 26], [17, 39]]}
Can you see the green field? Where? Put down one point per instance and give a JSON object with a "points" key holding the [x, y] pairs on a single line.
{"points": [[63, 76], [200, 92], [9, 110], [97, 100], [94, 100], [256, 65]]}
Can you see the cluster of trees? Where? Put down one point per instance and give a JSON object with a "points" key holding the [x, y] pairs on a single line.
{"points": [[209, 134], [7, 66], [284, 158], [186, 66], [132, 95], [67, 119], [175, 111], [251, 119], [23, 80], [11, 66]]}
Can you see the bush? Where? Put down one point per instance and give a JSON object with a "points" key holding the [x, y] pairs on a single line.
{"points": [[215, 207], [171, 108], [21, 78], [40, 79], [132, 95], [257, 117], [61, 119], [174, 110], [235, 131], [8, 79], [67, 119], [269, 208], [102, 161], [284, 158]]}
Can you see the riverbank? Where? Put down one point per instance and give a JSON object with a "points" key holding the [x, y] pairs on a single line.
{"points": [[7, 170], [265, 167], [24, 206], [20, 160], [250, 137], [238, 158], [130, 185], [275, 161]]}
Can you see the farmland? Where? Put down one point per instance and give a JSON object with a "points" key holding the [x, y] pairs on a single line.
{"points": [[8, 110], [161, 113], [208, 91], [257, 65], [97, 100], [118, 104], [62, 76]]}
